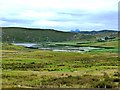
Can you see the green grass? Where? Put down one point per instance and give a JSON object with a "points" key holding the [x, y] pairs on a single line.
{"points": [[30, 68], [19, 34]]}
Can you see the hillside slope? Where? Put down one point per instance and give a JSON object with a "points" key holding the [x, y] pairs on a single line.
{"points": [[16, 34], [19, 34]]}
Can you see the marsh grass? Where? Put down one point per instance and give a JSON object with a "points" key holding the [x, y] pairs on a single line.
{"points": [[23, 67]]}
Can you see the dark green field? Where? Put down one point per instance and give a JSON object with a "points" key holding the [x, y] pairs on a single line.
{"points": [[18, 34], [32, 68]]}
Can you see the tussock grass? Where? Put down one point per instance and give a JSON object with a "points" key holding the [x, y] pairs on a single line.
{"points": [[36, 68]]}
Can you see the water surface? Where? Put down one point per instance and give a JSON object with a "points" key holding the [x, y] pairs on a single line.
{"points": [[25, 44], [57, 48]]}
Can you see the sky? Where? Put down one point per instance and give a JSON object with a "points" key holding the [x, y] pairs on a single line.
{"points": [[64, 15]]}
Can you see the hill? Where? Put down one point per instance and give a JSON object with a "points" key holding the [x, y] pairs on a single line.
{"points": [[96, 32], [32, 35], [18, 34]]}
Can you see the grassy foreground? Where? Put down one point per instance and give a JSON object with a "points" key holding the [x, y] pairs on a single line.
{"points": [[32, 68]]}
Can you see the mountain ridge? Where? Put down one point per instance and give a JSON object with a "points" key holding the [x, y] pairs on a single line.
{"points": [[104, 30], [35, 35]]}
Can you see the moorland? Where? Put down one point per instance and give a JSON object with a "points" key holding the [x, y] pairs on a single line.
{"points": [[24, 67]]}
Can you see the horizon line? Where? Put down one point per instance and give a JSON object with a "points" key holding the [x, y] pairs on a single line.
{"points": [[56, 29]]}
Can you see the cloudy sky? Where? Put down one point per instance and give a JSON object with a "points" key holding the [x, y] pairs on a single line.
{"points": [[62, 15]]}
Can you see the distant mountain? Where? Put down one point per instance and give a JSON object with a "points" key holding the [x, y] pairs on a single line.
{"points": [[100, 31], [76, 30]]}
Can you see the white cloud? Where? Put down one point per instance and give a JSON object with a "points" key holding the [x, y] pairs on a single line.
{"points": [[35, 14], [60, 14], [53, 24], [59, 4]]}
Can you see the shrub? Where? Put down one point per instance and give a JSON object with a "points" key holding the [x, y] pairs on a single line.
{"points": [[116, 74], [116, 80], [104, 84]]}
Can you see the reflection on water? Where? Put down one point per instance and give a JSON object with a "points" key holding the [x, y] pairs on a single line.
{"points": [[25, 44], [69, 49]]}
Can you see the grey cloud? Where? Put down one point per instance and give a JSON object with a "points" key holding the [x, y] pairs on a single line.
{"points": [[70, 16], [108, 20], [76, 14], [16, 20]]}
